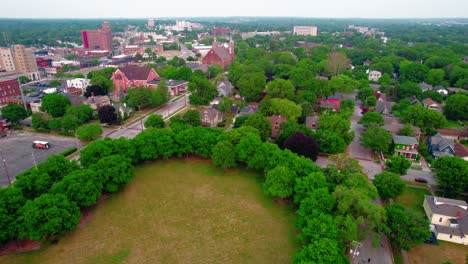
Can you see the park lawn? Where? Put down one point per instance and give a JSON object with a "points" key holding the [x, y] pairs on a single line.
{"points": [[180, 211], [412, 199], [437, 254]]}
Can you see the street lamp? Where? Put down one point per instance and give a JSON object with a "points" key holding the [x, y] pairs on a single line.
{"points": [[354, 251], [4, 165]]}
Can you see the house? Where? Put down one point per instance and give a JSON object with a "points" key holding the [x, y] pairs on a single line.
{"points": [[461, 151], [80, 83], [175, 86], [374, 75], [220, 53], [439, 146], [425, 87], [211, 117], [311, 122], [122, 110], [383, 106], [406, 146], [414, 100], [453, 134], [441, 90], [429, 103], [247, 110], [456, 90], [224, 88], [448, 218], [331, 102], [276, 124], [132, 76], [96, 102]]}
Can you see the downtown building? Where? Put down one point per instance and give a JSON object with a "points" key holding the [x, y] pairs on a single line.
{"points": [[19, 59], [98, 38], [305, 30]]}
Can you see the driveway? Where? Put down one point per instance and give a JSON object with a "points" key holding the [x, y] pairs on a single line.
{"points": [[19, 155], [412, 174]]}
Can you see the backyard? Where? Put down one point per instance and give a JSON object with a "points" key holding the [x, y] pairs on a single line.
{"points": [[179, 211]]}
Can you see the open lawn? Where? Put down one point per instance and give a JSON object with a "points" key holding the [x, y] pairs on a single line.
{"points": [[431, 254], [412, 199], [179, 211]]}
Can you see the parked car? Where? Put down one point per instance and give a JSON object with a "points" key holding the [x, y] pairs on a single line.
{"points": [[420, 180]]}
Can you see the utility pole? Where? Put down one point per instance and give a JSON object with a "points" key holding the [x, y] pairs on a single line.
{"points": [[4, 165], [34, 159], [22, 94]]}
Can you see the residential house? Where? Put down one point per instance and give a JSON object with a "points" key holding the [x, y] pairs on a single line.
{"points": [[406, 146], [79, 83], [429, 103], [456, 90], [276, 124], [211, 117], [96, 102], [311, 122], [247, 110], [414, 100], [122, 110], [132, 76], [224, 88], [383, 106], [453, 134], [176, 87], [461, 151], [439, 146], [331, 102], [448, 218], [374, 75], [440, 89], [393, 125], [425, 87]]}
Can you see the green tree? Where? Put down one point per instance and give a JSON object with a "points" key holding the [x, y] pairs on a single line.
{"points": [[55, 104], [251, 86], [55, 83], [14, 113], [290, 127], [104, 82], [304, 186], [405, 229], [336, 63], [113, 172], [336, 123], [413, 71], [89, 132], [407, 130], [11, 201], [408, 89], [376, 139], [279, 88], [279, 182], [261, 123], [452, 175], [83, 112], [371, 118], [81, 187], [428, 120], [225, 105], [224, 155], [192, 117], [70, 123], [433, 95], [286, 108], [248, 145], [99, 149], [389, 185], [456, 107], [33, 183], [24, 79], [203, 91], [155, 143], [155, 121], [48, 215], [329, 141], [57, 167], [323, 250], [398, 164], [435, 76]]}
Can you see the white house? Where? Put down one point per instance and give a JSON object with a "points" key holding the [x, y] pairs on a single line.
{"points": [[374, 75], [79, 83], [441, 90]]}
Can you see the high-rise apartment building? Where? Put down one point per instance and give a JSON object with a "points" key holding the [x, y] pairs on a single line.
{"points": [[99, 38], [7, 62], [151, 23], [25, 60], [305, 30]]}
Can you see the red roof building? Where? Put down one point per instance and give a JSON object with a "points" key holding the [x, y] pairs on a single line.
{"points": [[275, 124], [9, 88], [220, 53], [133, 76]]}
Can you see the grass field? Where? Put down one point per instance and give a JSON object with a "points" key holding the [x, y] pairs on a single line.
{"points": [[412, 199], [431, 254], [179, 211]]}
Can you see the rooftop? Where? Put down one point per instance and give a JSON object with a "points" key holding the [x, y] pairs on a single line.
{"points": [[405, 140]]}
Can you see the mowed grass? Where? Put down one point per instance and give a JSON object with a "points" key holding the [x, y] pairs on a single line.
{"points": [[412, 199], [437, 254], [180, 211]]}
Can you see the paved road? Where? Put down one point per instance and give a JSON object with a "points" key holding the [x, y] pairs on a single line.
{"points": [[132, 130], [355, 149], [412, 174], [381, 254], [18, 152], [185, 52]]}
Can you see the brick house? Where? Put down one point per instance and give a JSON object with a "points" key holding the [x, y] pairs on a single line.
{"points": [[132, 76], [220, 53], [406, 146], [9, 88], [276, 124]]}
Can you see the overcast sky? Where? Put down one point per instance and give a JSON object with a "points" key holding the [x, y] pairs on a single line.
{"points": [[203, 8]]}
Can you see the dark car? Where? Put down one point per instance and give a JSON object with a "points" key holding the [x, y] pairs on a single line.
{"points": [[420, 180]]}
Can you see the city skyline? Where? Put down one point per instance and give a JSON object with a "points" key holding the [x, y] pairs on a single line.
{"points": [[263, 8]]}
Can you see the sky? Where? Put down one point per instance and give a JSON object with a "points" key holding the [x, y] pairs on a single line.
{"points": [[223, 8]]}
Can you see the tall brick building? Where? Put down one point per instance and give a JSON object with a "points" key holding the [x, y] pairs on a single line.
{"points": [[220, 53], [98, 38], [8, 88]]}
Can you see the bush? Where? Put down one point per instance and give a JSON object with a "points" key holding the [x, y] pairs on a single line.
{"points": [[89, 132], [69, 151]]}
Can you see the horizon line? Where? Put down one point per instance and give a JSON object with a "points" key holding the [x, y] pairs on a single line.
{"points": [[198, 17]]}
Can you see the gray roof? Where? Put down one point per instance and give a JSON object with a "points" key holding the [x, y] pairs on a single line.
{"points": [[225, 88], [424, 86], [447, 207], [439, 142], [247, 111], [383, 106], [405, 140]]}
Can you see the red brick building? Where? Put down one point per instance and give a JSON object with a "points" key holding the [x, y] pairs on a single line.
{"points": [[98, 38], [133, 76], [220, 53], [134, 49], [43, 62], [8, 88], [275, 124], [220, 31]]}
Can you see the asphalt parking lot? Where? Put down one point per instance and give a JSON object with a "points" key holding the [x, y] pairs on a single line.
{"points": [[18, 152]]}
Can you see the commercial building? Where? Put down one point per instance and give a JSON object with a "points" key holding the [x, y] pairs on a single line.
{"points": [[19, 59], [98, 38], [151, 23], [8, 88], [7, 62], [79, 83], [305, 30], [134, 49]]}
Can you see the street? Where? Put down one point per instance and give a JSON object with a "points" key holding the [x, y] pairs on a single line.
{"points": [[185, 52], [134, 129]]}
